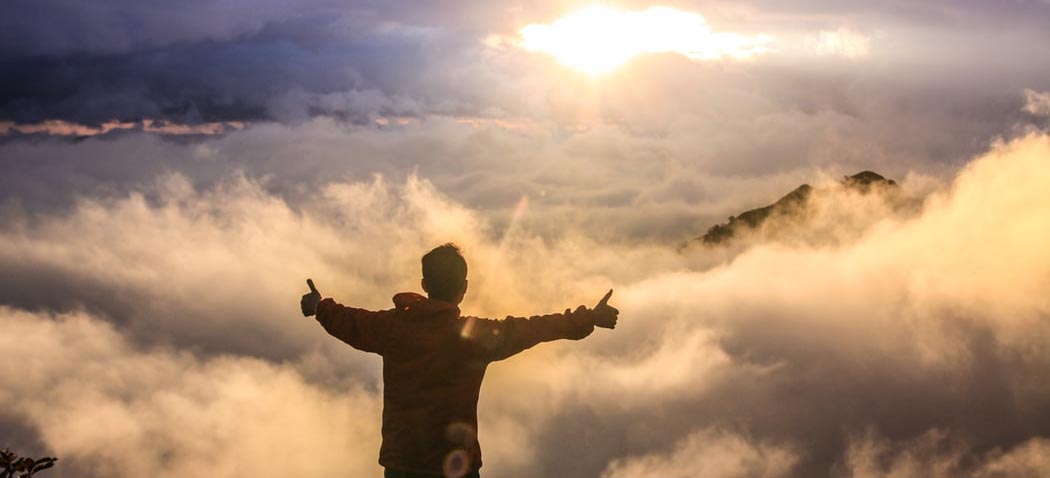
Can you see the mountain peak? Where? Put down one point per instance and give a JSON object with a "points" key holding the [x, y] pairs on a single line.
{"points": [[865, 180], [793, 203]]}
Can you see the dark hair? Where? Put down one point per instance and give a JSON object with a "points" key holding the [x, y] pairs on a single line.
{"points": [[444, 272]]}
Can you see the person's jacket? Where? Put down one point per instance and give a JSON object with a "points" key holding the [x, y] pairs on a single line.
{"points": [[433, 364]]}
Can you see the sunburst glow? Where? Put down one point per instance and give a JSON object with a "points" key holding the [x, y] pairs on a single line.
{"points": [[599, 39]]}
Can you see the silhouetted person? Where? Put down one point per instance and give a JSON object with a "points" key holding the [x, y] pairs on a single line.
{"points": [[434, 361]]}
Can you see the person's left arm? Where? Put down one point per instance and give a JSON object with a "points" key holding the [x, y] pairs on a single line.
{"points": [[500, 339]]}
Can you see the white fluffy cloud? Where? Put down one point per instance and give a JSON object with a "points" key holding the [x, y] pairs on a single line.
{"points": [[710, 453], [938, 453], [842, 42], [1037, 103], [776, 354], [109, 408]]}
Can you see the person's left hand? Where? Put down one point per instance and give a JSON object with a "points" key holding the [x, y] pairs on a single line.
{"points": [[605, 315], [309, 301]]}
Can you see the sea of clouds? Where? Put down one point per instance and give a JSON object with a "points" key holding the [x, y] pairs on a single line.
{"points": [[155, 332]]}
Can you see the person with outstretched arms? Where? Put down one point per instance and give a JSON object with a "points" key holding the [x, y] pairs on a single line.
{"points": [[434, 361]]}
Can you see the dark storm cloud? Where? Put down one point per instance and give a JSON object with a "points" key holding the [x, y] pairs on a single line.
{"points": [[206, 61], [219, 61], [195, 83], [60, 28]]}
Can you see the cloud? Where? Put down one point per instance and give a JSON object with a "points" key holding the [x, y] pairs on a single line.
{"points": [[842, 42], [33, 29], [1026, 459], [65, 128], [938, 454], [708, 453], [107, 407], [120, 257], [177, 304], [209, 61], [1037, 103], [651, 155], [487, 166]]}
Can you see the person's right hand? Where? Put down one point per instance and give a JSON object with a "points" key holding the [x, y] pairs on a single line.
{"points": [[309, 301], [605, 315]]}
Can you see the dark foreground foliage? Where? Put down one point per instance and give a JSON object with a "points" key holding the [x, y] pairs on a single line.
{"points": [[14, 466]]}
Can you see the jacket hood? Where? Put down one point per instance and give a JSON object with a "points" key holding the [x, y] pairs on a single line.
{"points": [[422, 307]]}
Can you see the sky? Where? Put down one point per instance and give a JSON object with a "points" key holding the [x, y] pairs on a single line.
{"points": [[171, 173]]}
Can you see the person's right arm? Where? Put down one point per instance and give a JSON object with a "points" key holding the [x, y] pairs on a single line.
{"points": [[361, 329]]}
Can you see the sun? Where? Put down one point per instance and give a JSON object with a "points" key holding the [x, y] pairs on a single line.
{"points": [[599, 39], [589, 40]]}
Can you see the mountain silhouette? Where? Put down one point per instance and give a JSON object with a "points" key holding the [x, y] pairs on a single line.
{"points": [[794, 205]]}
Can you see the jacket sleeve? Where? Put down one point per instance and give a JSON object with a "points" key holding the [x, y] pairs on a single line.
{"points": [[500, 339], [361, 329]]}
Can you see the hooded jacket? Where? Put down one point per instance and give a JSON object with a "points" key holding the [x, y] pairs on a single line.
{"points": [[433, 363]]}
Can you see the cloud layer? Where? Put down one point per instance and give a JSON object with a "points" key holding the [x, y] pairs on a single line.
{"points": [[109, 408], [208, 61], [915, 348]]}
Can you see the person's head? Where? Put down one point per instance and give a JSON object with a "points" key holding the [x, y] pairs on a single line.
{"points": [[445, 273]]}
